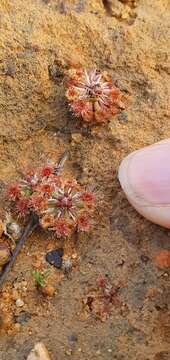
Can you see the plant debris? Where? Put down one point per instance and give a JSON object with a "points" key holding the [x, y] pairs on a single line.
{"points": [[4, 254], [33, 222]]}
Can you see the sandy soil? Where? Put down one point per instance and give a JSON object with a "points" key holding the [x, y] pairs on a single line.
{"points": [[38, 39]]}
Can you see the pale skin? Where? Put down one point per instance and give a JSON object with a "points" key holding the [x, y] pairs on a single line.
{"points": [[144, 176]]}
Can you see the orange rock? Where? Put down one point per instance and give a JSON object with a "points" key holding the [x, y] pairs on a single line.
{"points": [[48, 290], [4, 254], [162, 259]]}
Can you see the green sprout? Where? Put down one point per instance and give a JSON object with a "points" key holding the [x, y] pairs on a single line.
{"points": [[40, 278]]}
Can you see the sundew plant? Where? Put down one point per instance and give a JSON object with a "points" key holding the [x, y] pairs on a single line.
{"points": [[62, 205], [92, 95]]}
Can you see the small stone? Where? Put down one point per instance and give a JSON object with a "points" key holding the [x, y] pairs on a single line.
{"points": [[68, 352], [121, 262], [67, 265], [162, 259], [12, 229], [55, 73], [123, 117], [98, 352], [4, 254], [19, 302], [72, 338], [54, 257], [39, 352], [48, 290], [10, 69], [145, 259], [23, 317], [77, 138], [166, 275], [17, 327]]}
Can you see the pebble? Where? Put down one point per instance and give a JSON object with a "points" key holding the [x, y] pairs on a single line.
{"points": [[17, 327], [98, 352], [39, 352], [48, 290], [72, 338], [77, 138], [54, 257], [55, 73], [4, 254], [10, 69], [23, 317], [67, 265], [12, 229], [123, 117], [162, 259], [144, 259], [19, 302], [68, 352]]}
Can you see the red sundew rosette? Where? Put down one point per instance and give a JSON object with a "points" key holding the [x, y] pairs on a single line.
{"points": [[13, 192], [64, 224], [22, 206], [63, 228], [71, 207], [101, 105]]}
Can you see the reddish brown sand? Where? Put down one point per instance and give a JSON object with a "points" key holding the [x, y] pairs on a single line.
{"points": [[38, 38]]}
